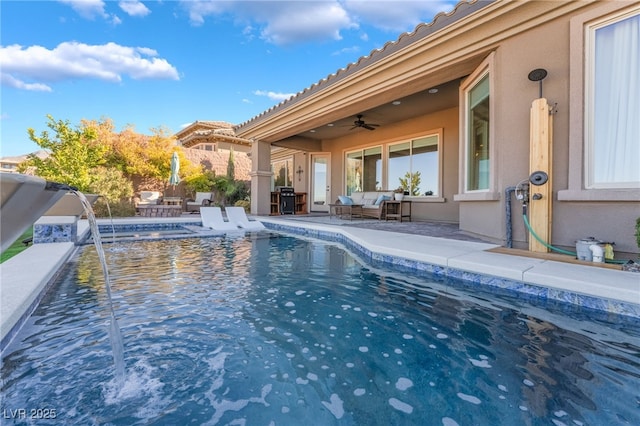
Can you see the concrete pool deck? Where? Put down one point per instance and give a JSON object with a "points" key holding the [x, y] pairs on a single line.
{"points": [[25, 277]]}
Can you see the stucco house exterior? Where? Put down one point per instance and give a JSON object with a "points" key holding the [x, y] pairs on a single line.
{"points": [[453, 100], [209, 143]]}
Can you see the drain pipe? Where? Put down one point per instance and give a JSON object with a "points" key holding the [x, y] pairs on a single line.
{"points": [[507, 205]]}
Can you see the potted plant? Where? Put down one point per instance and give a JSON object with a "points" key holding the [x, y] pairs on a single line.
{"points": [[398, 193]]}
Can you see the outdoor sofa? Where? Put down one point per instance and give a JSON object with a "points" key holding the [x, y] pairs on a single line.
{"points": [[372, 202]]}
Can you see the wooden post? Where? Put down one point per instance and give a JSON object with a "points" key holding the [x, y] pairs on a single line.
{"points": [[540, 160]]}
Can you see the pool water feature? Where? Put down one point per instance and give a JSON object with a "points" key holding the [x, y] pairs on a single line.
{"points": [[272, 329]]}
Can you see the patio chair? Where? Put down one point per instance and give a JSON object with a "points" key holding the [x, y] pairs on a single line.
{"points": [[212, 218], [202, 199], [237, 216]]}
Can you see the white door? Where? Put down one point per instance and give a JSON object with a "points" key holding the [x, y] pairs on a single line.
{"points": [[320, 178]]}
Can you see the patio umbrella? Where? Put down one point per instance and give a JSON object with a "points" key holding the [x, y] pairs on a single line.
{"points": [[174, 179]]}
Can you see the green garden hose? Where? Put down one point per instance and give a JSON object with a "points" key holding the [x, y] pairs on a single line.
{"points": [[550, 247], [559, 250]]}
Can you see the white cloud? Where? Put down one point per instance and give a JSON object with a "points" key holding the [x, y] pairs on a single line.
{"points": [[275, 96], [278, 22], [88, 9], [346, 50], [400, 15], [10, 81], [73, 60], [91, 9], [289, 22], [134, 8]]}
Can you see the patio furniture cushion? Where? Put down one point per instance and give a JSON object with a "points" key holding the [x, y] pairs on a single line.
{"points": [[382, 198], [371, 207], [148, 198], [202, 199], [347, 201]]}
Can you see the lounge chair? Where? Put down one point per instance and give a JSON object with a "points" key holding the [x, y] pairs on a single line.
{"points": [[203, 199], [212, 218], [238, 217]]}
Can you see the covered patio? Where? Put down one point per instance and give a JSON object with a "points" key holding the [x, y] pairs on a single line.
{"points": [[447, 107]]}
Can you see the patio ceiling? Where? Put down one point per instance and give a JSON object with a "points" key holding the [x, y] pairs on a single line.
{"points": [[427, 101]]}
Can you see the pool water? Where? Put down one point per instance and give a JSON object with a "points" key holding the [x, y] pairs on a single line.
{"points": [[268, 329]]}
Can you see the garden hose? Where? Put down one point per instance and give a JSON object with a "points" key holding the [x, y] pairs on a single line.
{"points": [[559, 250]]}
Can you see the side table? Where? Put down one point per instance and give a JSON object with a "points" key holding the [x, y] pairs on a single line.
{"points": [[396, 210]]}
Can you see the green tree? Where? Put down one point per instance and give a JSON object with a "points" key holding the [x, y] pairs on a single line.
{"points": [[116, 191], [74, 153], [200, 182], [231, 166], [411, 183]]}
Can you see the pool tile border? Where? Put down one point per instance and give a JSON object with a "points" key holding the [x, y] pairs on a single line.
{"points": [[521, 287]]}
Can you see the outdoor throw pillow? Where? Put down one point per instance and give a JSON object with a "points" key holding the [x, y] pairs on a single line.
{"points": [[382, 198], [347, 201]]}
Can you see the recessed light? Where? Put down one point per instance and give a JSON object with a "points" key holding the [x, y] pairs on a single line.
{"points": [[312, 131], [432, 91], [396, 103], [330, 125]]}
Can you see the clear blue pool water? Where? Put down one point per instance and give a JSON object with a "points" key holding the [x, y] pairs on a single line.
{"points": [[268, 329]]}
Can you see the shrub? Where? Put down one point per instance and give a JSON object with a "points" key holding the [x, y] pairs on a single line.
{"points": [[246, 204], [116, 190]]}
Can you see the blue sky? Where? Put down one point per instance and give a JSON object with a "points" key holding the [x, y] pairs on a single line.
{"points": [[168, 63]]}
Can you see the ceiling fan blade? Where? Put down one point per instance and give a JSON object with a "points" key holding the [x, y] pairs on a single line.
{"points": [[369, 126]]}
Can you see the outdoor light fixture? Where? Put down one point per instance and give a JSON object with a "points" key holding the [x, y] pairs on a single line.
{"points": [[396, 103], [433, 91]]}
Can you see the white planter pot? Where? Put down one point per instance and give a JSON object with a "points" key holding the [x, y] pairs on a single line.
{"points": [[398, 197]]}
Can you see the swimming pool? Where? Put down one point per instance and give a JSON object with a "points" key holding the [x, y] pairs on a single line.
{"points": [[271, 329]]}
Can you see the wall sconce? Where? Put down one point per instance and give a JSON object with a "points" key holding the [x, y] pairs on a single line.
{"points": [[299, 173]]}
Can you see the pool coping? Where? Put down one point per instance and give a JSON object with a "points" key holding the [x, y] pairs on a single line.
{"points": [[23, 286]]}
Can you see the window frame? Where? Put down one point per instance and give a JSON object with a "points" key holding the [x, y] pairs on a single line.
{"points": [[589, 104], [577, 189], [485, 69], [438, 132], [286, 159]]}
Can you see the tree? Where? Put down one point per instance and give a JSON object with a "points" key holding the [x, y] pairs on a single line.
{"points": [[411, 183], [74, 153], [231, 167]]}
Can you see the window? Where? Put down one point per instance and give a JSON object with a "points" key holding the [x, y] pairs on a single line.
{"points": [[414, 165], [364, 170], [477, 137], [282, 173], [612, 90]]}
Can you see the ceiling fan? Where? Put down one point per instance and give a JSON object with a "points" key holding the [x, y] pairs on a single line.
{"points": [[361, 123]]}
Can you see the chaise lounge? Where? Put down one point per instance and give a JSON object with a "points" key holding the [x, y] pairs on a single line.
{"points": [[238, 217], [212, 218]]}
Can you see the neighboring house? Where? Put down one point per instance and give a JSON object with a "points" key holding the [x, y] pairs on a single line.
{"points": [[212, 136], [210, 142], [10, 164], [452, 101]]}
